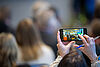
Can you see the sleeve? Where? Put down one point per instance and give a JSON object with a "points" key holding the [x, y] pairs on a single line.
{"points": [[56, 62], [96, 64]]}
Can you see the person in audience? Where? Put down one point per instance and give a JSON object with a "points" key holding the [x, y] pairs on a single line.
{"points": [[5, 17], [94, 29], [48, 22], [73, 59], [8, 50], [95, 33], [97, 11], [88, 49], [32, 49]]}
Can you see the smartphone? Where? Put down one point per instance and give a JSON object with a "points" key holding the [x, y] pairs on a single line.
{"points": [[71, 34]]}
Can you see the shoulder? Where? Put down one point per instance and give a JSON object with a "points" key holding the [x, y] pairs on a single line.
{"points": [[47, 51], [46, 48]]}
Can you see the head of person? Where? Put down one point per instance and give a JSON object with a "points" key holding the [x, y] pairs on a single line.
{"points": [[4, 12], [27, 33], [95, 28], [46, 16], [73, 59], [39, 6], [8, 50], [28, 39], [43, 6], [97, 9]]}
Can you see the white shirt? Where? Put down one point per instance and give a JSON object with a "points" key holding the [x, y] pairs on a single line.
{"points": [[46, 58]]}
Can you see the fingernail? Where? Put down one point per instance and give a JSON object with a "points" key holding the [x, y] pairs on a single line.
{"points": [[80, 46], [73, 41]]}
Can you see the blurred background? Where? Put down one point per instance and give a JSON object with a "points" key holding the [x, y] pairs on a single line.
{"points": [[23, 8]]}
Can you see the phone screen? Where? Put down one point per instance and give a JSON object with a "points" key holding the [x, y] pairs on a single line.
{"points": [[71, 34]]}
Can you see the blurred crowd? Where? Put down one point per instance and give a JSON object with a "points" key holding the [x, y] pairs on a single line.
{"points": [[35, 42]]}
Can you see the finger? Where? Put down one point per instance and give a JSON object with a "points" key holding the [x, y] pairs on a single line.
{"points": [[92, 39], [58, 37], [76, 46], [83, 40], [92, 42], [70, 44], [81, 48], [87, 38], [58, 46]]}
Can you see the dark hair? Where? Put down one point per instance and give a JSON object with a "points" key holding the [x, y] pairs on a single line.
{"points": [[73, 59], [97, 11], [5, 12], [95, 28]]}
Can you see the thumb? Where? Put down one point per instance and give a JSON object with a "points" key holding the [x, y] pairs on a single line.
{"points": [[59, 46], [70, 44]]}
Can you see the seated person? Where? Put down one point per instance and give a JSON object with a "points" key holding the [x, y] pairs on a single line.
{"points": [[8, 50], [88, 50], [47, 19], [73, 59], [32, 49], [5, 17], [95, 32]]}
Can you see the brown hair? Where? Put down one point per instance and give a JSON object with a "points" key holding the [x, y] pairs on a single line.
{"points": [[8, 50], [97, 11], [73, 59], [95, 28], [4, 12], [28, 39]]}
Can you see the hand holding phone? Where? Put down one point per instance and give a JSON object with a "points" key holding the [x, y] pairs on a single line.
{"points": [[63, 49]]}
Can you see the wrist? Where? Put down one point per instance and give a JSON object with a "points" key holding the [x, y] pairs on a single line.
{"points": [[61, 54], [93, 58]]}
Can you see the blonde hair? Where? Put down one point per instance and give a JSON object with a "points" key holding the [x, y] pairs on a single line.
{"points": [[42, 13], [29, 40], [8, 50], [36, 7]]}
